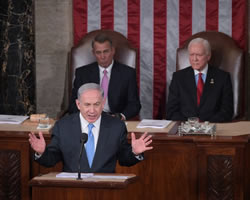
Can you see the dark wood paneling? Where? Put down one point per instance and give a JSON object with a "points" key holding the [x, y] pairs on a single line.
{"points": [[14, 170], [179, 167], [67, 193], [220, 177], [168, 169], [49, 187]]}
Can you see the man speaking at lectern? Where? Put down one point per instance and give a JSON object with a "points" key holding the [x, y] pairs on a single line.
{"points": [[107, 138]]}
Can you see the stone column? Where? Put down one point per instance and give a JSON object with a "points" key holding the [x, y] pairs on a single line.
{"points": [[17, 60]]}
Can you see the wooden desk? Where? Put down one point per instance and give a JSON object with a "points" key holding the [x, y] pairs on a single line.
{"points": [[16, 160], [196, 167], [51, 188], [179, 167]]}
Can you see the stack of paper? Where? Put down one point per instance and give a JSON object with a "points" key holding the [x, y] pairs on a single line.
{"points": [[150, 123], [89, 175], [12, 119], [73, 175]]}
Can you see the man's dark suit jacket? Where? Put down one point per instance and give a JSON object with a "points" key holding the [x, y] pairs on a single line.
{"points": [[65, 146], [122, 93], [216, 103]]}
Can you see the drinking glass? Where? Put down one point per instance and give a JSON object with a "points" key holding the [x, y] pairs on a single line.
{"points": [[43, 122]]}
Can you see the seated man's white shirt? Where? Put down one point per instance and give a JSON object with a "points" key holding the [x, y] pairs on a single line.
{"points": [[204, 74]]}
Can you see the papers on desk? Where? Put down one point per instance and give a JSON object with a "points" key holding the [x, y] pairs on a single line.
{"points": [[150, 123], [89, 175], [73, 175], [12, 119]]}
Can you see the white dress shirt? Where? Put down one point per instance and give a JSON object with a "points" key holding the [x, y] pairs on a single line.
{"points": [[204, 74]]}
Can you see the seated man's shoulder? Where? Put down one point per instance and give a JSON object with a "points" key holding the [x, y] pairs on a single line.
{"points": [[183, 72], [124, 67], [219, 71], [186, 69], [86, 67]]}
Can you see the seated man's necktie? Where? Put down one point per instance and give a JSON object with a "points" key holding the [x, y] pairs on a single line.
{"points": [[105, 83], [200, 86]]}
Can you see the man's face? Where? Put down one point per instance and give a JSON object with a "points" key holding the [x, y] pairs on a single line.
{"points": [[91, 105], [198, 57], [104, 53]]}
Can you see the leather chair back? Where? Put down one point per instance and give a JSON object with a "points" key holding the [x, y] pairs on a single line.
{"points": [[225, 55]]}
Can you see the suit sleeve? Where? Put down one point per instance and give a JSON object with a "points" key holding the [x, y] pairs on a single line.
{"points": [[173, 103], [225, 111], [133, 102], [125, 154], [52, 154]]}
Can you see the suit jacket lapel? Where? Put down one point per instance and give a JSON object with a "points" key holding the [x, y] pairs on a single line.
{"points": [[207, 86], [114, 85], [114, 79], [94, 73], [102, 139], [76, 128], [192, 86]]}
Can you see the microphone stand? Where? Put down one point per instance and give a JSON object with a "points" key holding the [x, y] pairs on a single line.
{"points": [[84, 139]]}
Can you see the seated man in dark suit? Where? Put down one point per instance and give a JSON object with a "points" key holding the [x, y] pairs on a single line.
{"points": [[201, 90], [117, 80], [107, 138]]}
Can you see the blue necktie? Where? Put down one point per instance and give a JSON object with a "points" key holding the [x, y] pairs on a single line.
{"points": [[90, 145]]}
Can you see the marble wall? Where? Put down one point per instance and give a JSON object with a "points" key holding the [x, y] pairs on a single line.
{"points": [[17, 60]]}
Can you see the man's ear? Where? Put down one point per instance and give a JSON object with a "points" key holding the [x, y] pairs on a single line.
{"points": [[209, 57], [103, 102], [113, 50], [78, 104], [93, 51]]}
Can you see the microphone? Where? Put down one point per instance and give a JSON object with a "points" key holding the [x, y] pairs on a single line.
{"points": [[83, 140]]}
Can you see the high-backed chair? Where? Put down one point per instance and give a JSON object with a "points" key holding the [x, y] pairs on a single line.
{"points": [[225, 55], [81, 55]]}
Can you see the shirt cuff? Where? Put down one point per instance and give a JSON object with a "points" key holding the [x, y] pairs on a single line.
{"points": [[124, 117], [139, 157], [37, 156]]}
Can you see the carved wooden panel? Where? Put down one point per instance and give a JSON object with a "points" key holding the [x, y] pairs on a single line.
{"points": [[10, 174], [169, 172], [220, 177]]}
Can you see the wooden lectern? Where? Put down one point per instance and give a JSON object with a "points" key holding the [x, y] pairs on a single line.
{"points": [[50, 187]]}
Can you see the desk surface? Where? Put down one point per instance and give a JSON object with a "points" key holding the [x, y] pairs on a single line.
{"points": [[26, 126], [223, 129]]}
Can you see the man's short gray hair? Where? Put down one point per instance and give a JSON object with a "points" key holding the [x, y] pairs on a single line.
{"points": [[89, 86], [202, 41], [101, 38]]}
